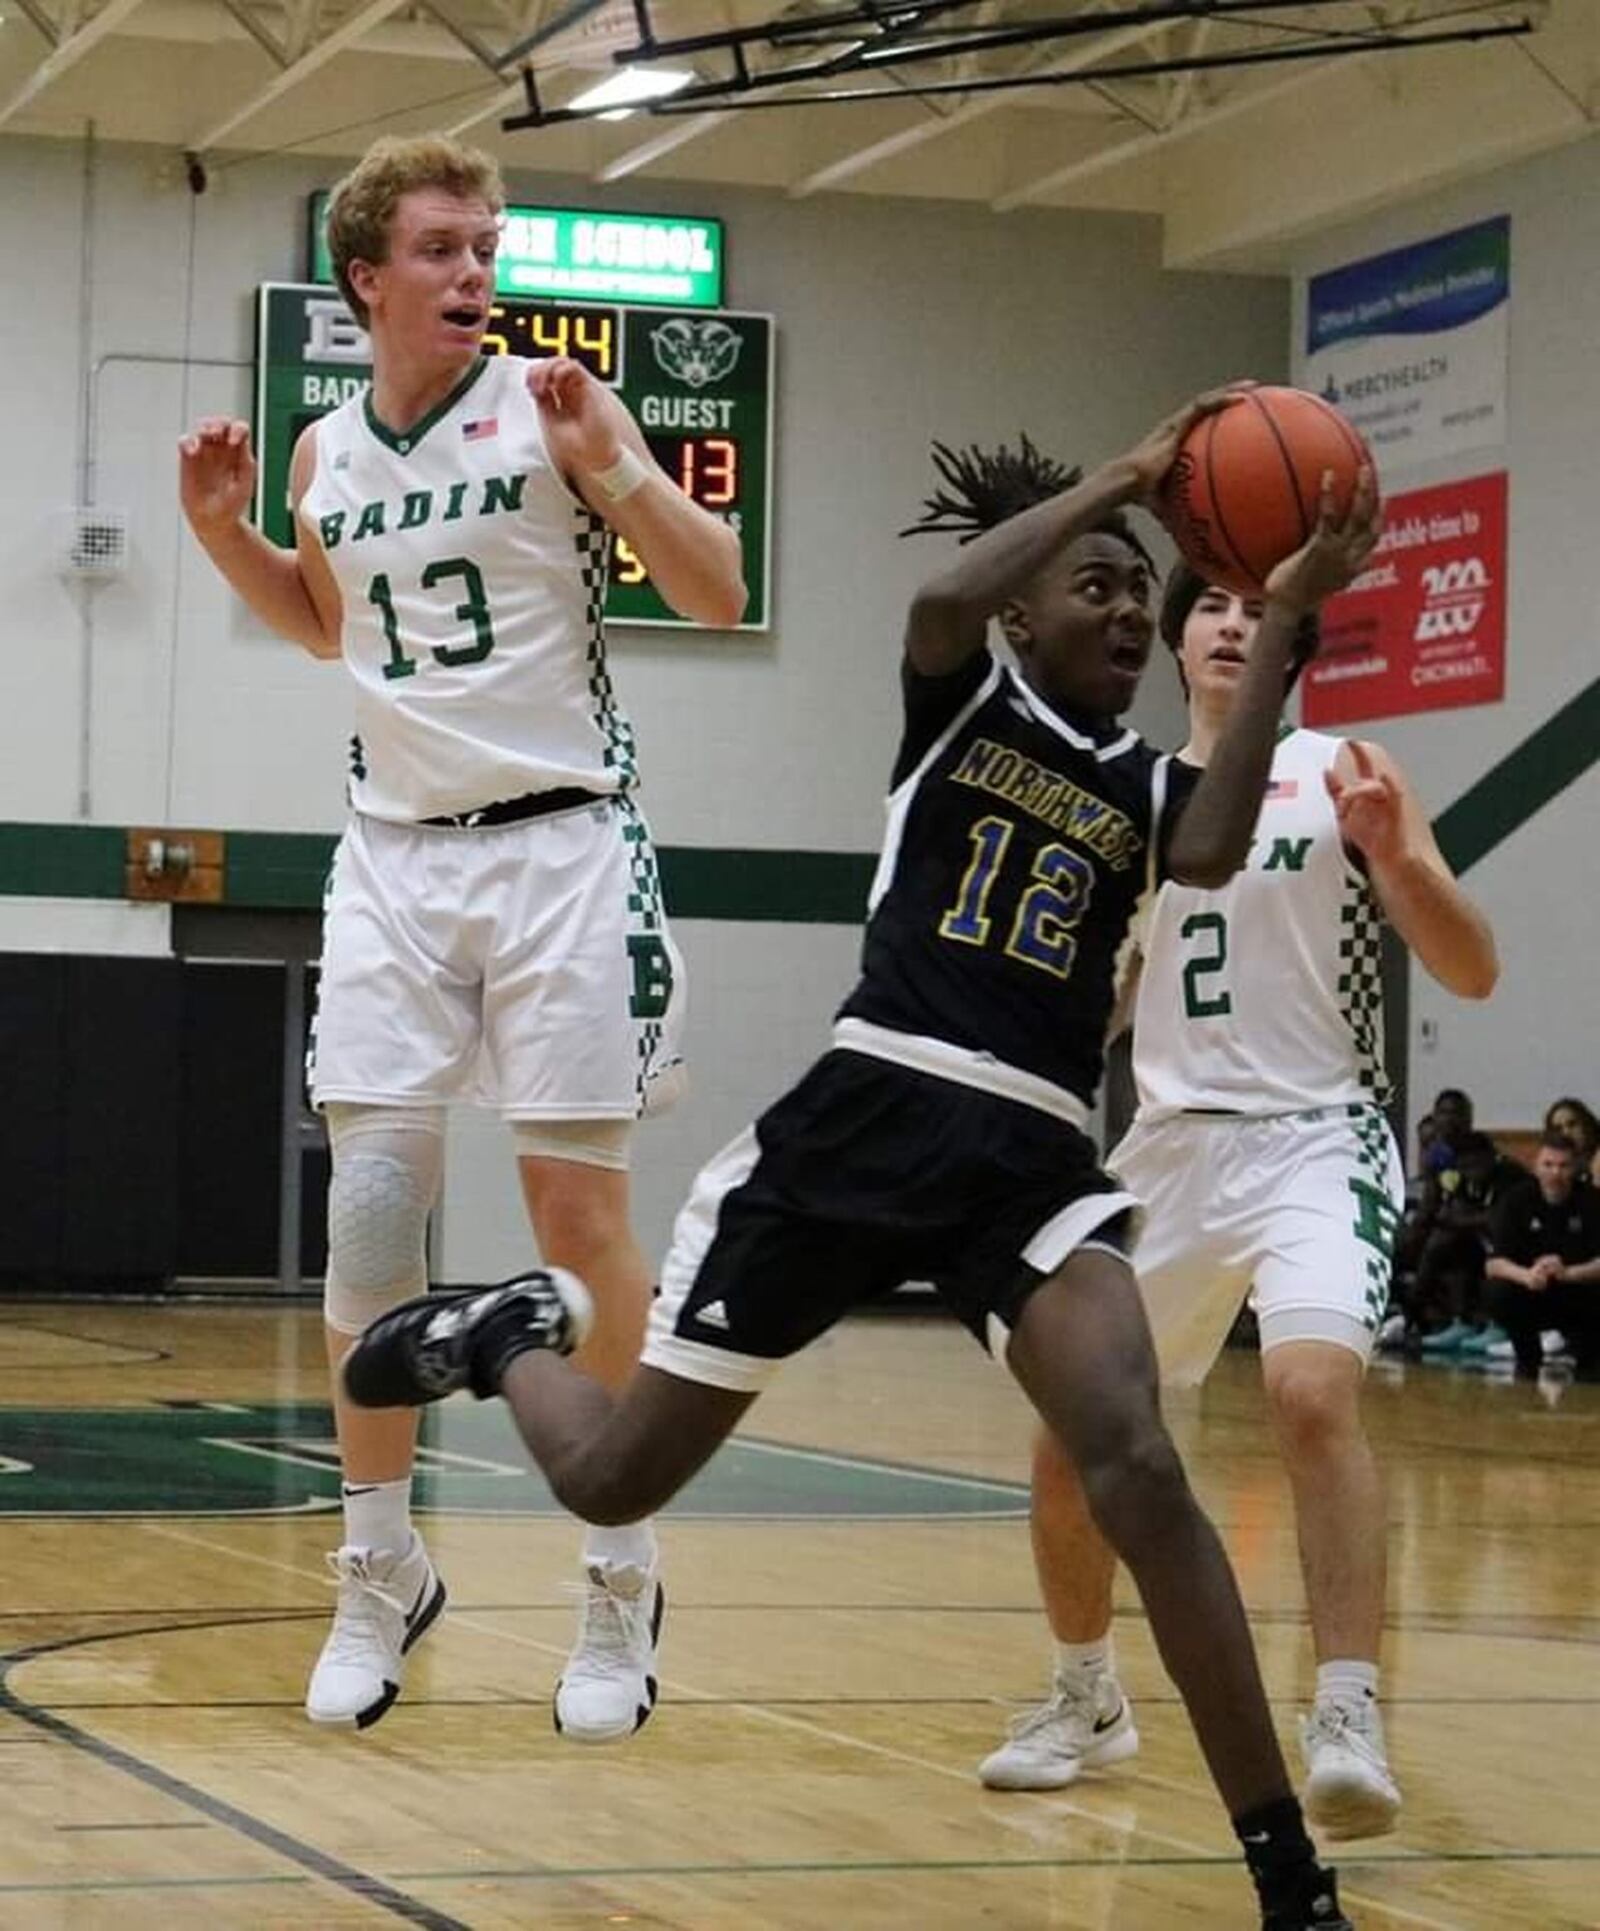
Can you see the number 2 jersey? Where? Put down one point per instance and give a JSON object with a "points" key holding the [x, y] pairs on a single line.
{"points": [[473, 583], [1020, 845], [1264, 996]]}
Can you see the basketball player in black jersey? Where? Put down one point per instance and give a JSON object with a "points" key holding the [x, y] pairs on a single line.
{"points": [[941, 1136]]}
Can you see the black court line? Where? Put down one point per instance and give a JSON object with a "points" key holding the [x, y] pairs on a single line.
{"points": [[993, 1700], [138, 1357], [1227, 1861], [384, 1896], [332, 1870], [1512, 1624], [1222, 1863]]}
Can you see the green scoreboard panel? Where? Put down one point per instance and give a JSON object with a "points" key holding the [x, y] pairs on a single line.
{"points": [[699, 384]]}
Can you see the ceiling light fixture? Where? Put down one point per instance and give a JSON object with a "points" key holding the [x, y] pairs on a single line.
{"points": [[617, 96]]}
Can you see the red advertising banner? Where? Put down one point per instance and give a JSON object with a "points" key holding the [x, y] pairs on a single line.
{"points": [[1423, 628]]}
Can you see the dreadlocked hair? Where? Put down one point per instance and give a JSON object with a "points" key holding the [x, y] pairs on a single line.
{"points": [[981, 490]]}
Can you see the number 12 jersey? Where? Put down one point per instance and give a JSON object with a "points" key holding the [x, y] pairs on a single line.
{"points": [[1020, 845]]}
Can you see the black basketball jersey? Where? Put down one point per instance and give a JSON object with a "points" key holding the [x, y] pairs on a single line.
{"points": [[1020, 845]]}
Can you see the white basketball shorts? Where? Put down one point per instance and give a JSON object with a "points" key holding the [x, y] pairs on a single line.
{"points": [[525, 967], [1297, 1210]]}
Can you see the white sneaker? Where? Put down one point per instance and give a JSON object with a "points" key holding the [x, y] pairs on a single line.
{"points": [[608, 1687], [1082, 1727], [1349, 1789], [386, 1602]]}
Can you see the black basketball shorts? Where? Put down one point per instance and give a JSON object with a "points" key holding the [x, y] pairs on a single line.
{"points": [[865, 1175]]}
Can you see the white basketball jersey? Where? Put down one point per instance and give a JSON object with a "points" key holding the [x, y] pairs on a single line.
{"points": [[474, 584], [1264, 996]]}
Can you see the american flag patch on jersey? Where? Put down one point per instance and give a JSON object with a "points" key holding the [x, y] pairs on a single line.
{"points": [[1284, 788], [481, 430]]}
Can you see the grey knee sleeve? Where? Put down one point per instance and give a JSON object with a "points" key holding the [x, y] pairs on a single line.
{"points": [[387, 1163]]}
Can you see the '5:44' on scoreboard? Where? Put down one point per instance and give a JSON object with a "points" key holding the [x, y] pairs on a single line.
{"points": [[698, 382]]}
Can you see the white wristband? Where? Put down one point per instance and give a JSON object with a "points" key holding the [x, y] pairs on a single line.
{"points": [[623, 477]]}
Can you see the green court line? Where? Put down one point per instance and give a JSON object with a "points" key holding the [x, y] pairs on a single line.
{"points": [[123, 1886], [783, 887], [62, 861], [1522, 783], [287, 871], [277, 1458], [276, 870], [560, 1874], [270, 870], [847, 1867]]}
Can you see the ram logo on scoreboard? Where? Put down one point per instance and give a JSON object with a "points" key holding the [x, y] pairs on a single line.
{"points": [[699, 385]]}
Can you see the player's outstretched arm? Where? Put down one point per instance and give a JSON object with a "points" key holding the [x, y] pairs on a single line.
{"points": [[693, 558], [216, 480], [1213, 835], [1382, 817], [949, 615]]}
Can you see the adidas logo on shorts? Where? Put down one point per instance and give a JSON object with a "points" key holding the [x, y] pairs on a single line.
{"points": [[713, 1315]]}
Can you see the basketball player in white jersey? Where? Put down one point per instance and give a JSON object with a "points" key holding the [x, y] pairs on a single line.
{"points": [[1266, 1166], [494, 926]]}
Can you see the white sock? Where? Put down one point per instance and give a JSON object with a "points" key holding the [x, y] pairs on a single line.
{"points": [[632, 1546], [1083, 1662], [1346, 1682], [377, 1515]]}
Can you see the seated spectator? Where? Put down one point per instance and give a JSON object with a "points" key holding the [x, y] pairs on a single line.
{"points": [[1580, 1126], [1445, 1243], [1450, 1122], [1419, 1167], [1544, 1263]]}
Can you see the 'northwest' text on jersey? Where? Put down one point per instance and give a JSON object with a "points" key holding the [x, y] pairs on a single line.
{"points": [[1265, 996], [473, 582], [1020, 844]]}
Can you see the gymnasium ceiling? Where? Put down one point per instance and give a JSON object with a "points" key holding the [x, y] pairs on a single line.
{"points": [[1241, 126]]}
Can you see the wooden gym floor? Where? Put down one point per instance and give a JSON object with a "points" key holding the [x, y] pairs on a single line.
{"points": [[851, 1616]]}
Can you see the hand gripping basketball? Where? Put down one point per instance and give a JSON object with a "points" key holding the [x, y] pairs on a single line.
{"points": [[1248, 483]]}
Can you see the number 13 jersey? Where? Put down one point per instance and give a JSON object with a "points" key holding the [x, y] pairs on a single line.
{"points": [[1264, 996], [1020, 845], [473, 582]]}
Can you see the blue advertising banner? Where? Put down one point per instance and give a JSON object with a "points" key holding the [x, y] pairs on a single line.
{"points": [[1412, 345]]}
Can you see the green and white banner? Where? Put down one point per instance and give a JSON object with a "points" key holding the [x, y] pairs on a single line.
{"points": [[1412, 345]]}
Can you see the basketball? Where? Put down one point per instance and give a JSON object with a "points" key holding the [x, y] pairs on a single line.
{"points": [[1243, 491]]}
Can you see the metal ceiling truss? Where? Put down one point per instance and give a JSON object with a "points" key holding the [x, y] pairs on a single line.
{"points": [[891, 36]]}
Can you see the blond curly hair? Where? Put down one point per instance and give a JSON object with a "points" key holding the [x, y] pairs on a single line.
{"points": [[362, 205]]}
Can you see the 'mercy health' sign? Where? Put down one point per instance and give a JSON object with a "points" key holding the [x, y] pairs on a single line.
{"points": [[1411, 345]]}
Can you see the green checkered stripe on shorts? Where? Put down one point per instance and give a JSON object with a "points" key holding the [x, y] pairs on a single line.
{"points": [[1377, 1217], [1360, 984], [593, 541], [646, 914]]}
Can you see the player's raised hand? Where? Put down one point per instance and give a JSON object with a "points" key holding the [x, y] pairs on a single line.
{"points": [[576, 414], [1337, 550], [1368, 805], [1151, 458], [216, 473]]}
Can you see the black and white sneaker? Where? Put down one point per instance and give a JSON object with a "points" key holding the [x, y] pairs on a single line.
{"points": [[427, 1348], [387, 1603], [608, 1687]]}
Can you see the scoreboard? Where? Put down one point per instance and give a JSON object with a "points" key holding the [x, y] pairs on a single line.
{"points": [[698, 382]]}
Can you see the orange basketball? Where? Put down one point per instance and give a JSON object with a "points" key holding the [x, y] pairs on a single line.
{"points": [[1244, 489]]}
